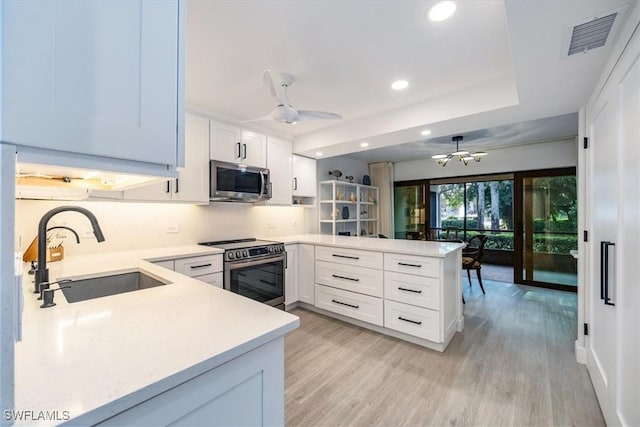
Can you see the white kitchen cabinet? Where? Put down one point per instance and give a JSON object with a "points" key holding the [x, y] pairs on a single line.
{"points": [[192, 184], [95, 77], [247, 390], [291, 275], [279, 165], [304, 179], [231, 144], [306, 273], [612, 204], [206, 268]]}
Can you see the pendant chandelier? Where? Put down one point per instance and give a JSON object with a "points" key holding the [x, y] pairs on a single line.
{"points": [[463, 155]]}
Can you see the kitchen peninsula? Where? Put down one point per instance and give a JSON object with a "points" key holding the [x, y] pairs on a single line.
{"points": [[409, 289], [175, 353]]}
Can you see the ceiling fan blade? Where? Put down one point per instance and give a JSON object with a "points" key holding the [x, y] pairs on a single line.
{"points": [[267, 117], [267, 81], [317, 115]]}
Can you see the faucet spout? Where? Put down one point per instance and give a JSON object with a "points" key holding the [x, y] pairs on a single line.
{"points": [[42, 273]]}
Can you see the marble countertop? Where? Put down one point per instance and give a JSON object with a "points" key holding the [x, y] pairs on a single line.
{"points": [[400, 246], [98, 357]]}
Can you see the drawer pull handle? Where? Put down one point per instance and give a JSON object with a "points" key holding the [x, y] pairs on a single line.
{"points": [[344, 303], [410, 265], [345, 256], [410, 321], [345, 278], [201, 266], [400, 288]]}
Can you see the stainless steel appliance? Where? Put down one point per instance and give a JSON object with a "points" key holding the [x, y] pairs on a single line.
{"points": [[238, 183], [254, 269]]}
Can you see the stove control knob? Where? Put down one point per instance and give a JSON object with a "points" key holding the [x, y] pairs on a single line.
{"points": [[238, 254], [230, 255], [271, 249], [278, 249], [245, 253]]}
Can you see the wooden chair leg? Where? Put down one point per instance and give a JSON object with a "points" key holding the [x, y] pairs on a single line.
{"points": [[469, 275], [480, 280]]}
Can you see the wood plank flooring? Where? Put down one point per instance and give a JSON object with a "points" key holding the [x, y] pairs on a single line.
{"points": [[514, 364]]}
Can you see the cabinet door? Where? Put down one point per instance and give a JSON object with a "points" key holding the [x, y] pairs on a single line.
{"points": [[291, 275], [193, 182], [93, 77], [254, 149], [304, 177], [279, 165], [225, 143], [160, 191], [306, 277]]}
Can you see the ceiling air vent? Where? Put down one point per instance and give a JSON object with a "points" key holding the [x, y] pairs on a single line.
{"points": [[591, 34]]}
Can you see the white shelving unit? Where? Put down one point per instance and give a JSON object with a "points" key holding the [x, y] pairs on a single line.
{"points": [[348, 208]]}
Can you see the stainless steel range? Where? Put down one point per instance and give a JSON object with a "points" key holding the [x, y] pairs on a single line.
{"points": [[254, 269]]}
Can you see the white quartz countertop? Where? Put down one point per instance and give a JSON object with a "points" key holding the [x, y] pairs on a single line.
{"points": [[409, 247], [98, 357]]}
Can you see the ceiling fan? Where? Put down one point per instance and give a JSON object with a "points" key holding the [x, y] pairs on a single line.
{"points": [[284, 111]]}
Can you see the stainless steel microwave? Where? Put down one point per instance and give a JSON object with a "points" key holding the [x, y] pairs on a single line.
{"points": [[238, 183]]}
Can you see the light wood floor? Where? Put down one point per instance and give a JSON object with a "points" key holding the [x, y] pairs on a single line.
{"points": [[514, 364]]}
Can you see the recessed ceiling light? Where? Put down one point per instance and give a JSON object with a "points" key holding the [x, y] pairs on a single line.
{"points": [[442, 11], [364, 144], [318, 153], [425, 132], [399, 85]]}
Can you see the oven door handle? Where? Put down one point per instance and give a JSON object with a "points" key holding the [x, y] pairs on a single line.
{"points": [[234, 265]]}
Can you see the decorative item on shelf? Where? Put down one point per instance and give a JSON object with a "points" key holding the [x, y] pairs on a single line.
{"points": [[372, 200], [345, 212], [364, 214], [349, 178], [363, 232], [344, 233], [335, 214], [352, 197], [335, 173], [339, 195], [366, 180], [463, 155]]}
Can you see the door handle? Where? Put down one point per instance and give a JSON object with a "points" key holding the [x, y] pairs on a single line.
{"points": [[295, 183], [239, 155], [604, 269], [177, 185], [244, 148]]}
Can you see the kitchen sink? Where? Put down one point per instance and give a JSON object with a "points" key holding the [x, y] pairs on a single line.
{"points": [[102, 286]]}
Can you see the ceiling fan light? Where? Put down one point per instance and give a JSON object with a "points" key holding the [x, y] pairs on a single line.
{"points": [[442, 11], [460, 153], [466, 158], [439, 156], [479, 154]]}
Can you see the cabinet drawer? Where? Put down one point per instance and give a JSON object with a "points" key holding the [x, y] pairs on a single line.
{"points": [[420, 265], [214, 279], [358, 306], [199, 266], [416, 321], [356, 279], [415, 290], [350, 257]]}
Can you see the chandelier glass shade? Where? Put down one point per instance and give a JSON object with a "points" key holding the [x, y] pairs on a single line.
{"points": [[462, 155]]}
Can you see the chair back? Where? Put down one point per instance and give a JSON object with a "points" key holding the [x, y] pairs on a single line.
{"points": [[475, 246], [452, 233]]}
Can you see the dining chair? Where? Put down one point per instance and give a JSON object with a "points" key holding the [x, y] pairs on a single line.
{"points": [[452, 233], [472, 257]]}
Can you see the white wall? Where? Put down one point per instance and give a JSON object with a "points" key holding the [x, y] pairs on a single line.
{"points": [[348, 166], [129, 226], [553, 154]]}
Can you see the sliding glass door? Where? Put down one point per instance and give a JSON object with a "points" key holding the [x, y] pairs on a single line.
{"points": [[547, 228]]}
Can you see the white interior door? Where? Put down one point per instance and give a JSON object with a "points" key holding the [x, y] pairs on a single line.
{"points": [[602, 339]]}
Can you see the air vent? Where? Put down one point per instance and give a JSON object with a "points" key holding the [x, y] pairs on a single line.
{"points": [[591, 34]]}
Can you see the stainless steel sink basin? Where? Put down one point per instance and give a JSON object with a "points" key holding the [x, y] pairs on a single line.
{"points": [[102, 286]]}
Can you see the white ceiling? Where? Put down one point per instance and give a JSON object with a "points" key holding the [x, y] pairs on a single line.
{"points": [[492, 64]]}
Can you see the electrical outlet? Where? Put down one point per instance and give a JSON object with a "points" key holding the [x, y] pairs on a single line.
{"points": [[173, 229], [87, 233], [271, 224]]}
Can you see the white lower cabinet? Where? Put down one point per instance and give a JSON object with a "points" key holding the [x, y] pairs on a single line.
{"points": [[206, 268], [291, 275], [358, 306], [355, 279], [415, 290], [247, 390], [306, 279], [416, 321]]}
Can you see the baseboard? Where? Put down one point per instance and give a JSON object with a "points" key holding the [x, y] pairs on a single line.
{"points": [[581, 353]]}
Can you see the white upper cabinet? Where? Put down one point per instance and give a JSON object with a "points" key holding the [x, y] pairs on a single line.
{"points": [[103, 78], [234, 145], [279, 165], [192, 184], [304, 177]]}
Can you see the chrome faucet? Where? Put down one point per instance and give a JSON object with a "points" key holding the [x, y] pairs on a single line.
{"points": [[42, 273]]}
